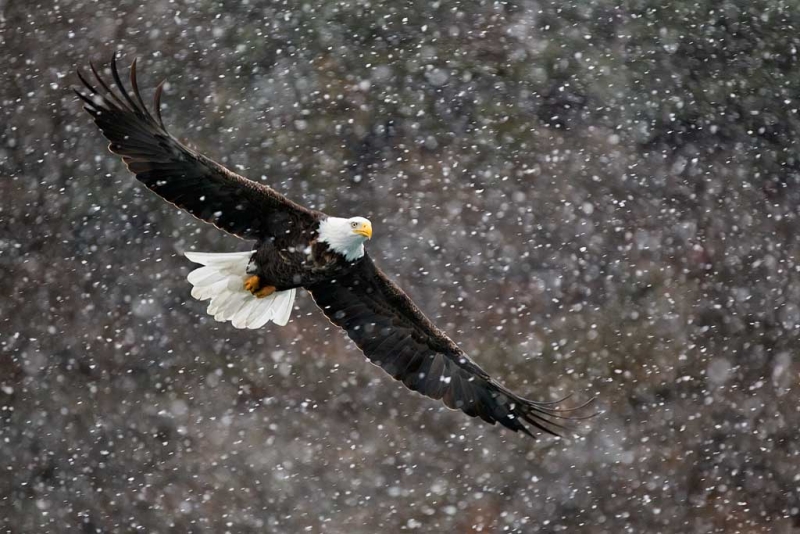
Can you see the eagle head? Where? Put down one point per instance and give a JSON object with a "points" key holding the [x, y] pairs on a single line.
{"points": [[346, 236]]}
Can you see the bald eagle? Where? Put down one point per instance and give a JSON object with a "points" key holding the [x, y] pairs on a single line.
{"points": [[296, 247]]}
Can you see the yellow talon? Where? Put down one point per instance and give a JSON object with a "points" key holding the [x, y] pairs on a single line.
{"points": [[253, 284], [264, 292]]}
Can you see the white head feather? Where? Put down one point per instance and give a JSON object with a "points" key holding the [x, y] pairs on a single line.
{"points": [[346, 236]]}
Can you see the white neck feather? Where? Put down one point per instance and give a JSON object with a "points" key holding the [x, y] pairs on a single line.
{"points": [[337, 233]]}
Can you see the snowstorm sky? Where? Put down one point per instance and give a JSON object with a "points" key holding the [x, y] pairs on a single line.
{"points": [[597, 198]]}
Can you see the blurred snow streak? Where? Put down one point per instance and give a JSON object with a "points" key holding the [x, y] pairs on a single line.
{"points": [[592, 197]]}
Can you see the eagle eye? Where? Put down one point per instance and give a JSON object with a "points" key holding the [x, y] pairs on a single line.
{"points": [[354, 224]]}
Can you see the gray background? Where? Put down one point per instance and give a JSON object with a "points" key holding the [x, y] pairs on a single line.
{"points": [[599, 198]]}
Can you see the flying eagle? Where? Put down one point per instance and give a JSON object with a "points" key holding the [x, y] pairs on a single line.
{"points": [[296, 247]]}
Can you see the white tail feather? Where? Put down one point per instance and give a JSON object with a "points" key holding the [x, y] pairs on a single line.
{"points": [[221, 279]]}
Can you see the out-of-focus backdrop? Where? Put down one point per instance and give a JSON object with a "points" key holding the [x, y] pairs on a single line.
{"points": [[598, 198]]}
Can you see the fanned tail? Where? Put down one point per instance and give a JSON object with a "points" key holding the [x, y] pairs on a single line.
{"points": [[221, 279]]}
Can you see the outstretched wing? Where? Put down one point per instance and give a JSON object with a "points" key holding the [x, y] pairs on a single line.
{"points": [[395, 335], [180, 175]]}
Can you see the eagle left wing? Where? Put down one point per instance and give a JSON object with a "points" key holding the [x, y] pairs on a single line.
{"points": [[395, 335], [180, 175]]}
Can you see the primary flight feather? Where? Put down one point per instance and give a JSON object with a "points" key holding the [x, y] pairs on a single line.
{"points": [[296, 247]]}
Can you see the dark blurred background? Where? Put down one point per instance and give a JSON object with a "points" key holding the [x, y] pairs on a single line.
{"points": [[593, 197]]}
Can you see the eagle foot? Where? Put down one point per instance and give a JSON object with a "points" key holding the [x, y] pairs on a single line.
{"points": [[265, 292], [253, 285]]}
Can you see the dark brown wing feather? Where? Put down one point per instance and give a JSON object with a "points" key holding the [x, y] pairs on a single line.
{"points": [[395, 335], [180, 175]]}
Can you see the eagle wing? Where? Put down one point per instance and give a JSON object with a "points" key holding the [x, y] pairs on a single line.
{"points": [[395, 335], [180, 175]]}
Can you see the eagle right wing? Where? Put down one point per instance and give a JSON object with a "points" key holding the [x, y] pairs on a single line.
{"points": [[395, 335], [180, 175]]}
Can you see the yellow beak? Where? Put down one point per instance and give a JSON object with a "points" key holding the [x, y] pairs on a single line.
{"points": [[365, 229]]}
